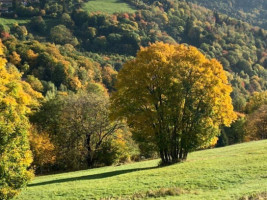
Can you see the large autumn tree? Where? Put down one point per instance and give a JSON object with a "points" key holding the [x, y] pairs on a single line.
{"points": [[16, 100], [173, 97]]}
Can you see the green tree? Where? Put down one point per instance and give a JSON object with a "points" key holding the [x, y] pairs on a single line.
{"points": [[236, 132], [38, 24], [78, 125], [174, 98], [62, 35], [256, 100], [66, 20]]}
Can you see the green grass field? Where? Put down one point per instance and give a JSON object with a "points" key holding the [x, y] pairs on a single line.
{"points": [[223, 173], [9, 22], [108, 6]]}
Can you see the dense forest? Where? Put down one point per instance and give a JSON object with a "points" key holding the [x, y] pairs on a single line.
{"points": [[66, 59], [252, 11], [240, 47]]}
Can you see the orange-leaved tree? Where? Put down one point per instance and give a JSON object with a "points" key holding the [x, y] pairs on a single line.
{"points": [[16, 100], [43, 150], [173, 97]]}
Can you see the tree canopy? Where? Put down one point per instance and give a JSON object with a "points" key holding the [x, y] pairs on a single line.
{"points": [[78, 125], [173, 97]]}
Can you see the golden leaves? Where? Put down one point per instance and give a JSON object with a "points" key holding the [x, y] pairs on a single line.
{"points": [[16, 100], [174, 86]]}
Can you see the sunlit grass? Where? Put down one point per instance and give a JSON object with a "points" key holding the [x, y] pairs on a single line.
{"points": [[108, 6], [223, 173], [9, 22]]}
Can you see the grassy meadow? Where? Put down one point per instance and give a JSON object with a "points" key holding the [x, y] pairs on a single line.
{"points": [[108, 6], [223, 173], [9, 22]]}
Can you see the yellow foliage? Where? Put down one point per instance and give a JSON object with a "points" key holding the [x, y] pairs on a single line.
{"points": [[173, 91], [210, 143], [42, 148], [31, 55], [75, 83], [15, 58], [120, 144], [17, 98]]}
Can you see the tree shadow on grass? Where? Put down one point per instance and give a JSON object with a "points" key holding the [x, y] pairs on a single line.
{"points": [[91, 177]]}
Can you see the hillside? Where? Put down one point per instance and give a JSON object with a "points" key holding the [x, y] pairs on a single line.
{"points": [[111, 39], [251, 11], [223, 173]]}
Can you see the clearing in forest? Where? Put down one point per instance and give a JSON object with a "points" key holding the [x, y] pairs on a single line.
{"points": [[108, 6]]}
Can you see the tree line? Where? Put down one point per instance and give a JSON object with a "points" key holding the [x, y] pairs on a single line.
{"points": [[240, 47]]}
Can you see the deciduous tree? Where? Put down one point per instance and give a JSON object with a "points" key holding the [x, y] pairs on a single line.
{"points": [[78, 125], [43, 150], [256, 101], [173, 97], [256, 125], [16, 100]]}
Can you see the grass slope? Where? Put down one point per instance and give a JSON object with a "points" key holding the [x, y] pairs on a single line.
{"points": [[9, 22], [223, 173], [108, 6]]}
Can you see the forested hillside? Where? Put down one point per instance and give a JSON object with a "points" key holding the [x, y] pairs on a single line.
{"points": [[251, 11], [110, 39]]}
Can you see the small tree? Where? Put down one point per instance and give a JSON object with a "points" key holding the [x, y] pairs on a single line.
{"points": [[78, 125], [173, 97], [38, 24], [236, 132], [256, 101], [62, 35], [256, 125], [43, 150]]}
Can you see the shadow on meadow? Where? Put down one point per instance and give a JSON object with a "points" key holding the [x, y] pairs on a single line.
{"points": [[91, 177]]}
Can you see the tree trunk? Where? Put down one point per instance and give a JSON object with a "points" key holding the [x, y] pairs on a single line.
{"points": [[174, 152], [162, 156], [185, 155], [90, 157], [90, 160]]}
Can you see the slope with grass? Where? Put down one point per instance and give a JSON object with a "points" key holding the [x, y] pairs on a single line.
{"points": [[9, 22], [108, 6], [224, 173]]}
